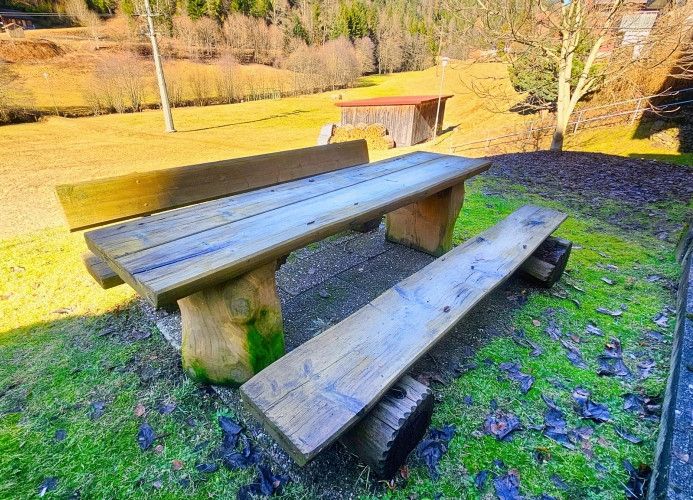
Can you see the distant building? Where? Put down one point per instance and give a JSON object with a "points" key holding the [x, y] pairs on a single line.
{"points": [[15, 18], [636, 28], [409, 120]]}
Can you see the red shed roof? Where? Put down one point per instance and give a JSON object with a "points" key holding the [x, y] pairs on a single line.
{"points": [[405, 100]]}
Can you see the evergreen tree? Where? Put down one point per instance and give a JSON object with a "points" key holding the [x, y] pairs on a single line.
{"points": [[196, 8]]}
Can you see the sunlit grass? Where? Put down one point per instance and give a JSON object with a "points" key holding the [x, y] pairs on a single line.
{"points": [[54, 364]]}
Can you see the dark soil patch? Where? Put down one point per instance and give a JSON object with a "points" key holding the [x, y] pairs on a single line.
{"points": [[588, 182]]}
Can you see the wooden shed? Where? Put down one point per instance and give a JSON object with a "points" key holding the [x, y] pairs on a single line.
{"points": [[409, 119]]}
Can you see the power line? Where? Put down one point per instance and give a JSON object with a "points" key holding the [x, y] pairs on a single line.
{"points": [[44, 14]]}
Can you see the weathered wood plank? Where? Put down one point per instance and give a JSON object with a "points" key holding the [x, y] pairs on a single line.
{"points": [[233, 330], [308, 398], [427, 224], [179, 268], [99, 270], [137, 235], [93, 203]]}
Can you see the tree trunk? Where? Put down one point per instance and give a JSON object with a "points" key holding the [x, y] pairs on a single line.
{"points": [[558, 134]]}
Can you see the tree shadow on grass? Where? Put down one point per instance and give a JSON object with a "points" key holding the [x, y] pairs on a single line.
{"points": [[673, 125], [266, 118], [685, 159]]}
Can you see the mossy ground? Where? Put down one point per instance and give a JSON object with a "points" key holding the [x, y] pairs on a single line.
{"points": [[65, 344]]}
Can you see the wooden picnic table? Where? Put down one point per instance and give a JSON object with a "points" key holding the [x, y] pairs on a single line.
{"points": [[218, 258]]}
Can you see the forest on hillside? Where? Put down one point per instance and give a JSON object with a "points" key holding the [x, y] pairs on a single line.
{"points": [[402, 34]]}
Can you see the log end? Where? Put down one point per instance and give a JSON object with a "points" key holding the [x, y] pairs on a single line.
{"points": [[385, 437], [547, 263]]}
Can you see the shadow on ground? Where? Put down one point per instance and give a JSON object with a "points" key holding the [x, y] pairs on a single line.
{"points": [[245, 122]]}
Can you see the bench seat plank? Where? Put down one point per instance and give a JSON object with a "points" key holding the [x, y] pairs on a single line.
{"points": [[134, 236], [178, 268], [308, 398], [99, 270]]}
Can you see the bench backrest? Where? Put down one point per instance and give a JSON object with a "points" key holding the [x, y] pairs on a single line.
{"points": [[102, 201]]}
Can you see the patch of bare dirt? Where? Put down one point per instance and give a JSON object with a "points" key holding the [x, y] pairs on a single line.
{"points": [[29, 50]]}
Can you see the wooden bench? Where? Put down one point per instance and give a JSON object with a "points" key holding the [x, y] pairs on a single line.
{"points": [[217, 257], [317, 392], [104, 201]]}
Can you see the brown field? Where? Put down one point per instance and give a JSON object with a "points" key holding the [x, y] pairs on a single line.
{"points": [[37, 156]]}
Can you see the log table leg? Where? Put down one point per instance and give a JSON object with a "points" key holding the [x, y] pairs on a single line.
{"points": [[233, 330], [427, 224]]}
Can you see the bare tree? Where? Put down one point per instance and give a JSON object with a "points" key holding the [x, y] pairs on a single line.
{"points": [[207, 36], [227, 81], [201, 37], [390, 37], [339, 63], [78, 10], [304, 62], [417, 55], [119, 84], [565, 43], [365, 53], [199, 86]]}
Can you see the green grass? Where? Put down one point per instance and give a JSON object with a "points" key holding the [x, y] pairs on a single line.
{"points": [[637, 256], [54, 364], [625, 140]]}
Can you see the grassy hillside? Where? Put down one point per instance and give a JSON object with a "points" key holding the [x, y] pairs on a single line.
{"points": [[623, 141], [59, 150]]}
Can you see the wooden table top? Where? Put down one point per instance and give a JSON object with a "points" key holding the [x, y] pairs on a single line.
{"points": [[171, 255]]}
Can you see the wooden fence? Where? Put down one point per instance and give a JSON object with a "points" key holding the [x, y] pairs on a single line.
{"points": [[628, 110]]}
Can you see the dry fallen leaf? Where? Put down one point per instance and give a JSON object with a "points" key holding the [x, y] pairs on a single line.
{"points": [[140, 410]]}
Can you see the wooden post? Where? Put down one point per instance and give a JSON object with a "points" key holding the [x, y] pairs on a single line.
{"points": [[427, 224], [384, 438], [577, 122], [233, 330], [547, 263], [635, 113]]}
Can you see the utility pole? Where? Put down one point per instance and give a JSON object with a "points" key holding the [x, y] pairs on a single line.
{"points": [[163, 93], [443, 62]]}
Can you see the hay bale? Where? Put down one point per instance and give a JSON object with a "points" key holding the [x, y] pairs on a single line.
{"points": [[343, 133], [375, 135], [389, 142], [376, 130]]}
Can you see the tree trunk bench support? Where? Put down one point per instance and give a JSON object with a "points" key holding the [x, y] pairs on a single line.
{"points": [[314, 394], [427, 225], [547, 263], [384, 438], [233, 330]]}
